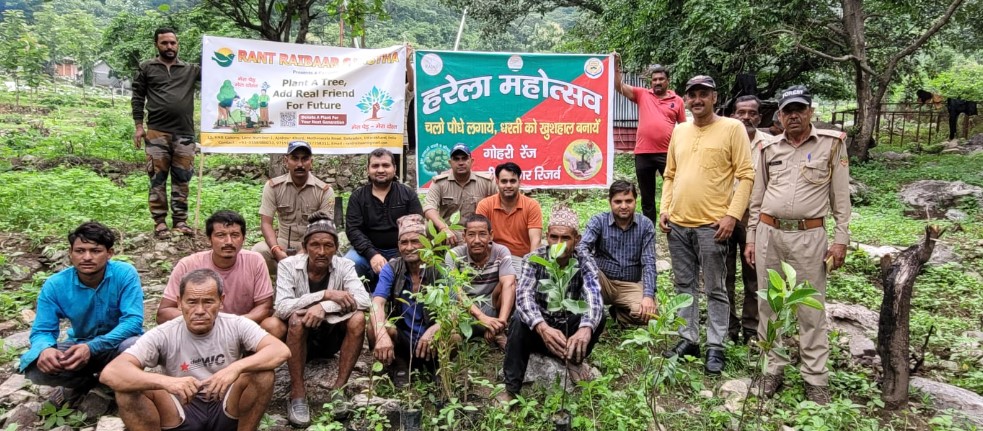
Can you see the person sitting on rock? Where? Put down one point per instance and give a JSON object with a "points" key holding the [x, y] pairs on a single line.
{"points": [[102, 300], [208, 381], [534, 329], [409, 341], [247, 281], [320, 304], [493, 280]]}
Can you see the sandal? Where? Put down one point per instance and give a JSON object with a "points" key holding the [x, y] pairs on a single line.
{"points": [[183, 228], [160, 231]]}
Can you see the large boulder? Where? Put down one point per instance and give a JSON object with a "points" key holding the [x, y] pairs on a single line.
{"points": [[545, 370], [932, 198], [967, 405]]}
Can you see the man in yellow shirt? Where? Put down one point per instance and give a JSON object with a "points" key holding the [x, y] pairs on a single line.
{"points": [[700, 207]]}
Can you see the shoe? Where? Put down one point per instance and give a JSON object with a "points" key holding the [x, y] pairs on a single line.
{"points": [[770, 384], [715, 361], [683, 348], [817, 394], [183, 228], [750, 335], [298, 413], [505, 398], [339, 403], [161, 232]]}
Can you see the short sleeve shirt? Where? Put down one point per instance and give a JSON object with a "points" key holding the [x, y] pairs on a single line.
{"points": [[512, 229], [486, 277], [246, 283], [292, 205], [656, 119], [447, 196], [184, 354]]}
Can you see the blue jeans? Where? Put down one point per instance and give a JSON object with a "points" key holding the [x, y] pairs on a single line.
{"points": [[364, 268], [692, 249]]}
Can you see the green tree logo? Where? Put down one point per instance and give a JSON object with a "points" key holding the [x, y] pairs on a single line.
{"points": [[374, 101], [223, 57]]}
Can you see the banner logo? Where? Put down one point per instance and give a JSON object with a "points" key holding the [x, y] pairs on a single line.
{"points": [[223, 57]]}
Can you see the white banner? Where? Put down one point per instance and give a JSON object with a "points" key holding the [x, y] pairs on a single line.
{"points": [[256, 96]]}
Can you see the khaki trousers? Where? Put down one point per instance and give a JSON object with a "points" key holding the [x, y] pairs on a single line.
{"points": [[804, 250], [624, 297], [264, 250]]}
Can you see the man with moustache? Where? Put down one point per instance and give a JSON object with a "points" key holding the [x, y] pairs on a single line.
{"points": [[659, 110], [373, 209], [809, 167], [457, 190], [623, 245], [102, 300], [248, 291], [700, 207], [165, 87], [516, 218], [493, 282], [320, 305], [217, 368], [292, 198], [747, 110]]}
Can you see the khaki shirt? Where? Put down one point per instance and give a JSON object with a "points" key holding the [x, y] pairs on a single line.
{"points": [[292, 205], [803, 183], [759, 140], [448, 197]]}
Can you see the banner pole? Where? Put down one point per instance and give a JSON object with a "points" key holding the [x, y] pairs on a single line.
{"points": [[201, 171]]}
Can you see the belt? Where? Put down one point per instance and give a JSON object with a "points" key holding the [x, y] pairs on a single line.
{"points": [[797, 224]]}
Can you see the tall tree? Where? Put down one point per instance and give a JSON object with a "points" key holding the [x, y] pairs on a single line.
{"points": [[22, 55], [272, 19]]}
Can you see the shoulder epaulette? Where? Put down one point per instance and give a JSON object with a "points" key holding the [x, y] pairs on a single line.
{"points": [[276, 181], [483, 174], [443, 176], [838, 134]]}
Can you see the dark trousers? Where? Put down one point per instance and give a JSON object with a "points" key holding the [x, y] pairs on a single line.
{"points": [[647, 166], [524, 341], [749, 311], [171, 154], [83, 379]]}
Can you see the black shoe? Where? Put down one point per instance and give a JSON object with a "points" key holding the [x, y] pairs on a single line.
{"points": [[750, 335], [683, 348], [715, 361]]}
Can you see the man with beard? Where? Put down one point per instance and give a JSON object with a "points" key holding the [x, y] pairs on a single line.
{"points": [[373, 209], [493, 280], [102, 300], [516, 218], [292, 197], [457, 190], [320, 304], [217, 368], [809, 167], [408, 340], [248, 291], [659, 110], [623, 245], [746, 109], [700, 206], [165, 86]]}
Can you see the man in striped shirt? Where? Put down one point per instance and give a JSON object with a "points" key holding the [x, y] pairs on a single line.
{"points": [[534, 329], [623, 245]]}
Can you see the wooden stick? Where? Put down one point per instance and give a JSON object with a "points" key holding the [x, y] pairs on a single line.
{"points": [[201, 171]]}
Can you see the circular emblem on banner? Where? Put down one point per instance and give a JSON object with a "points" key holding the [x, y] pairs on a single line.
{"points": [[582, 159], [431, 64], [515, 63], [593, 68]]}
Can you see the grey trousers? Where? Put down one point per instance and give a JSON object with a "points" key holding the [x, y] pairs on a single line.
{"points": [[693, 249]]}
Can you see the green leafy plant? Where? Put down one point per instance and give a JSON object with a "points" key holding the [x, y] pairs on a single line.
{"points": [[53, 417]]}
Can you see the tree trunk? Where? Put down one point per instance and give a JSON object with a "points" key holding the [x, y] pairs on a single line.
{"points": [[868, 110], [893, 328]]}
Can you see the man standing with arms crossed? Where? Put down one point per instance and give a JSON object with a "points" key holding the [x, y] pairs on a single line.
{"points": [[165, 87], [700, 207], [659, 110], [810, 168]]}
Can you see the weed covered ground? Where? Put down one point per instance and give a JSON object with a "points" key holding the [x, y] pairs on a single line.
{"points": [[64, 161]]}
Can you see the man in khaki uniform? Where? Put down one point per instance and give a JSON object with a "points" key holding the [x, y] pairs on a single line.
{"points": [[800, 178], [292, 197], [458, 189]]}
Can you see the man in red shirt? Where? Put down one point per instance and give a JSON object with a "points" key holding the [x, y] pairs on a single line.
{"points": [[659, 110]]}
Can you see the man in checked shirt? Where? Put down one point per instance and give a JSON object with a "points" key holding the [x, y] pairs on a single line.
{"points": [[563, 335]]}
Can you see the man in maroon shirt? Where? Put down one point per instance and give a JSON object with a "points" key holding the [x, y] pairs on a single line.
{"points": [[659, 110]]}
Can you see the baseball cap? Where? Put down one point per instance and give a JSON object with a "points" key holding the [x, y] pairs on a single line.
{"points": [[296, 145], [701, 81], [795, 94], [461, 147]]}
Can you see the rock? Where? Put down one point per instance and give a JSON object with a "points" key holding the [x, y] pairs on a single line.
{"points": [[110, 423], [858, 191], [875, 252], [385, 405], [974, 335], [18, 340], [956, 215], [943, 254], [968, 404], [932, 198], [861, 346], [734, 388], [27, 316], [546, 370], [21, 397], [895, 157], [62, 428], [24, 415], [662, 265], [734, 404], [95, 404], [706, 394], [13, 384], [851, 318], [8, 326]]}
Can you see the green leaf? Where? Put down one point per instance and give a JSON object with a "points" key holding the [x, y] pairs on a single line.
{"points": [[775, 280], [812, 303], [465, 329], [538, 260], [377, 367], [789, 273], [799, 294]]}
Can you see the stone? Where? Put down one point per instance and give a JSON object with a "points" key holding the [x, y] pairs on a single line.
{"points": [[546, 370], [734, 404], [21, 397], [27, 316], [62, 428], [706, 394], [932, 198], [110, 423], [956, 215], [8, 326], [858, 191], [95, 404], [861, 346], [943, 254], [877, 252], [24, 415], [895, 157], [385, 405], [734, 388], [13, 384], [18, 340], [662, 265], [967, 405], [851, 318], [974, 335]]}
